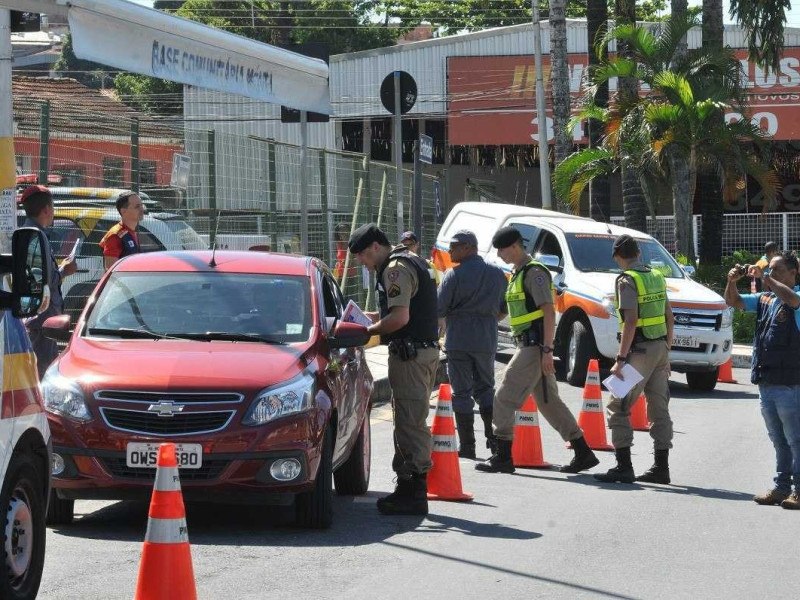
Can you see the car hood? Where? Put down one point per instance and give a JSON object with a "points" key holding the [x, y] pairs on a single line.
{"points": [[684, 293], [169, 364]]}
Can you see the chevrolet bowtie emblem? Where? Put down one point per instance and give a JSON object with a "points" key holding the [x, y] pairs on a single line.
{"points": [[166, 408]]}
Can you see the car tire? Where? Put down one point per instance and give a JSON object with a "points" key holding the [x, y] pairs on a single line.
{"points": [[702, 381], [59, 510], [352, 478], [579, 350], [314, 509], [23, 533]]}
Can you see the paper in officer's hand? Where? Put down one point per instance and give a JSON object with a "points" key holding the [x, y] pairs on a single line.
{"points": [[353, 314], [621, 387]]}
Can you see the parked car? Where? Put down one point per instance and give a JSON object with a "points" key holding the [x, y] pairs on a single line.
{"points": [[578, 252], [239, 357]]}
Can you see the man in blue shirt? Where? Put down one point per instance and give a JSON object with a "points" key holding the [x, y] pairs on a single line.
{"points": [[776, 367]]}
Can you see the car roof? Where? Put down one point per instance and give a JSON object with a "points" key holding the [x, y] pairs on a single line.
{"points": [[509, 210], [591, 226], [227, 261]]}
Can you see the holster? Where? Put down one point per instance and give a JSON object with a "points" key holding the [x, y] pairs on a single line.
{"points": [[405, 349]]}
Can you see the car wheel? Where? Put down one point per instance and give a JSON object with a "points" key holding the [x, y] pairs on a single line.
{"points": [[60, 511], [314, 509], [23, 537], [352, 478], [580, 350], [702, 381]]}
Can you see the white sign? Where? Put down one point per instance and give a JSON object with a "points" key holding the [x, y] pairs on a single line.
{"points": [[426, 149], [181, 164]]}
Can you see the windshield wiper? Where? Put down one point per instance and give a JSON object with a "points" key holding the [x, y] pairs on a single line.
{"points": [[229, 337], [127, 332]]}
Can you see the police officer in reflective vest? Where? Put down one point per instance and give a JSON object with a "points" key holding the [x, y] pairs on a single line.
{"points": [[529, 297], [646, 327], [408, 323]]}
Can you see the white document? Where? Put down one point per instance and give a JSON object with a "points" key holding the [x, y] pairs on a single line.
{"points": [[621, 387], [353, 314], [74, 252]]}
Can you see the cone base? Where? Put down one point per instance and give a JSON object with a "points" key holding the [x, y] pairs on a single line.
{"points": [[463, 497], [727, 381]]}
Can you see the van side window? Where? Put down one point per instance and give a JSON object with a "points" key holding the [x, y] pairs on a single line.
{"points": [[530, 233], [548, 244]]}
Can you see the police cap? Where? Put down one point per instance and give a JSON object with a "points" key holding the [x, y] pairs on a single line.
{"points": [[364, 236], [505, 237], [625, 246]]}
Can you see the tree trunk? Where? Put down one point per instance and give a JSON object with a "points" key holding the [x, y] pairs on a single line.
{"points": [[678, 9], [599, 187], [680, 178], [711, 198], [559, 80]]}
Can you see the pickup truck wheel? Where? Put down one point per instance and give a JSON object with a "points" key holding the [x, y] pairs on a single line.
{"points": [[352, 478], [23, 536], [60, 511], [702, 381], [580, 350], [314, 509]]}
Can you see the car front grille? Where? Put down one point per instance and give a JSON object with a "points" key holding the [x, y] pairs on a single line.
{"points": [[211, 469], [183, 423], [709, 321], [180, 397]]}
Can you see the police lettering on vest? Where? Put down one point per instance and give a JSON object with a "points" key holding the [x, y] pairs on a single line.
{"points": [[651, 298], [776, 351], [523, 313]]}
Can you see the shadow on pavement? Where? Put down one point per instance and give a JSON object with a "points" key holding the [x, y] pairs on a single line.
{"points": [[680, 390]]}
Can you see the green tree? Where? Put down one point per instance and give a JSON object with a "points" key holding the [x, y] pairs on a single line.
{"points": [[91, 74], [168, 5], [764, 21], [559, 81]]}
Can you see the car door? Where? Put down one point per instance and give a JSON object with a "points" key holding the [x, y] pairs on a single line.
{"points": [[548, 244]]}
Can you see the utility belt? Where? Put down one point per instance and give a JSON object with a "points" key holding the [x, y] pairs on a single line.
{"points": [[406, 348], [639, 338], [527, 338]]}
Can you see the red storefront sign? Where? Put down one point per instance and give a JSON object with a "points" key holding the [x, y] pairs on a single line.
{"points": [[492, 100]]}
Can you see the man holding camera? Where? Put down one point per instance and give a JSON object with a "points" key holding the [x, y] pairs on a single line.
{"points": [[776, 366], [408, 323]]}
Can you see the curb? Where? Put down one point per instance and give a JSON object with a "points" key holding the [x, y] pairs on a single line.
{"points": [[382, 391], [740, 361]]}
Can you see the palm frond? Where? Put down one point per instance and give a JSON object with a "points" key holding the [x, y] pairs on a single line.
{"points": [[575, 172]]}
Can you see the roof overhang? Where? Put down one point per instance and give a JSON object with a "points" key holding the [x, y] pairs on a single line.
{"points": [[128, 36]]}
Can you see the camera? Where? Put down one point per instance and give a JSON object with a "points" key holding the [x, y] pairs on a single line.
{"points": [[742, 269]]}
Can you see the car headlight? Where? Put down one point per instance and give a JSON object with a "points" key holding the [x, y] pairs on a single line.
{"points": [[280, 401], [63, 396], [609, 303], [727, 318]]}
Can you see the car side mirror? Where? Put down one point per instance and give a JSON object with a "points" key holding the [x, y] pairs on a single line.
{"points": [[57, 328], [30, 271], [348, 335], [551, 261], [689, 270]]}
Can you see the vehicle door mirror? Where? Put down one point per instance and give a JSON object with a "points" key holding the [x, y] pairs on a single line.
{"points": [[689, 270], [30, 271], [57, 328], [348, 335], [551, 261]]}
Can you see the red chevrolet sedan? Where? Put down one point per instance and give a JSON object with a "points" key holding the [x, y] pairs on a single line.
{"points": [[240, 358]]}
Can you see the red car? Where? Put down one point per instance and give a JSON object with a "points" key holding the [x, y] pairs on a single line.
{"points": [[241, 358]]}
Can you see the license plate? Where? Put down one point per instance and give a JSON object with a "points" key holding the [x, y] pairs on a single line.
{"points": [[144, 455], [685, 342]]}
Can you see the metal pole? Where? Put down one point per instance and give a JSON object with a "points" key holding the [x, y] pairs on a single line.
{"points": [[398, 155], [8, 166], [272, 221], [417, 204], [303, 182], [212, 189], [44, 141], [135, 154], [541, 114]]}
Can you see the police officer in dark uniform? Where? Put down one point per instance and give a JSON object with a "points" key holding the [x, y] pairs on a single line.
{"points": [[531, 314], [408, 323]]}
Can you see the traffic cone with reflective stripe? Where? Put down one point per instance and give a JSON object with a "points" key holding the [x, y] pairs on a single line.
{"points": [[444, 478], [445, 392], [726, 372], [591, 418], [526, 451], [639, 420], [165, 571]]}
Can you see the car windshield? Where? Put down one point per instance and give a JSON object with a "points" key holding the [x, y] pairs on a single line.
{"points": [[265, 308], [188, 237], [592, 252]]}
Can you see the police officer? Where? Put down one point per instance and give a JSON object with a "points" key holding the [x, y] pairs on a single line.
{"points": [[471, 299], [531, 313], [646, 327], [407, 322], [776, 367]]}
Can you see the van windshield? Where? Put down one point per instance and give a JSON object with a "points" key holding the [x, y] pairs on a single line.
{"points": [[592, 252]]}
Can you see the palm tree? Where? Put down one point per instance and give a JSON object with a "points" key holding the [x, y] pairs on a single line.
{"points": [[559, 79], [764, 21], [596, 26]]}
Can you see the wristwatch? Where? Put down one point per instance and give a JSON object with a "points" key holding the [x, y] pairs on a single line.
{"points": [[621, 358], [547, 349]]}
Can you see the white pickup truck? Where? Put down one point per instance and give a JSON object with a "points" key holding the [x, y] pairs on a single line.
{"points": [[577, 251]]}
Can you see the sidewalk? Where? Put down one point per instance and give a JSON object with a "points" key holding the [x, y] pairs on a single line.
{"points": [[377, 359], [741, 356]]}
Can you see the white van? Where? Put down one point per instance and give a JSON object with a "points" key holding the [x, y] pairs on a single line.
{"points": [[578, 252]]}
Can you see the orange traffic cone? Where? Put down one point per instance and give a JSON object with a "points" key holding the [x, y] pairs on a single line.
{"points": [[165, 572], [526, 450], [591, 418], [639, 420], [726, 373], [445, 392], [444, 478]]}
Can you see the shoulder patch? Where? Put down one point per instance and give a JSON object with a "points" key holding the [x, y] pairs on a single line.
{"points": [[540, 279], [394, 291], [393, 275]]}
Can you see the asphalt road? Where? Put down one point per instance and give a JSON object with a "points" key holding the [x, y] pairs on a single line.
{"points": [[535, 534]]}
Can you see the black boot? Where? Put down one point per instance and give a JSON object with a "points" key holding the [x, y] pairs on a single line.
{"points": [[410, 497], [491, 440], [623, 472], [584, 457], [659, 472], [465, 422], [500, 461]]}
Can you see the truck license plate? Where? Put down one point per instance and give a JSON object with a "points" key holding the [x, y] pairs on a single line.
{"points": [[145, 455], [685, 342]]}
